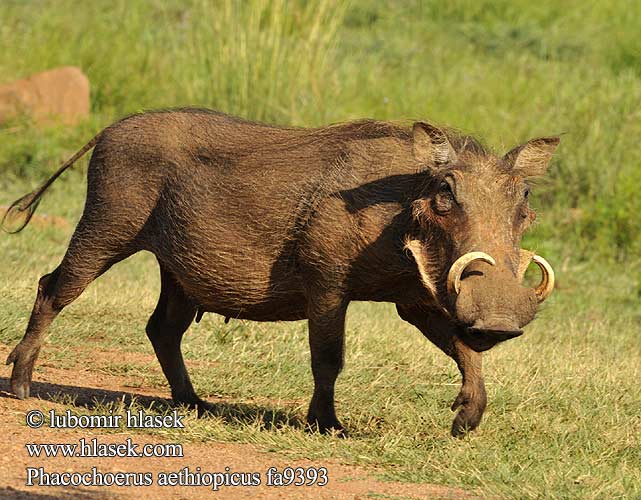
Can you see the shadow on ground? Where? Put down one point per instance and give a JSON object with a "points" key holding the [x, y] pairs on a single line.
{"points": [[56, 494], [92, 398]]}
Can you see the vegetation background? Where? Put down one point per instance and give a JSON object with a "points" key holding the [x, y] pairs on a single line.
{"points": [[565, 399]]}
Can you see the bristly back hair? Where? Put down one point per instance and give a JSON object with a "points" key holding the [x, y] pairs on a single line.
{"points": [[374, 129], [463, 143], [366, 128]]}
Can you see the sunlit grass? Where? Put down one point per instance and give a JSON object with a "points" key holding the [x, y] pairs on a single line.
{"points": [[564, 402], [564, 399]]}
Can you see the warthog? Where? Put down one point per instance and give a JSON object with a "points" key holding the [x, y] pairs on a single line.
{"points": [[271, 223]]}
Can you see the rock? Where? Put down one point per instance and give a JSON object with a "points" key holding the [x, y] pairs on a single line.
{"points": [[58, 94]]}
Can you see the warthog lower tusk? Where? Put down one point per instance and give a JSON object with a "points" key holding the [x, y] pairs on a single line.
{"points": [[525, 257], [454, 276], [544, 289]]}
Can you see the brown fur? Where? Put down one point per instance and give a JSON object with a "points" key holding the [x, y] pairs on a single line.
{"points": [[272, 223]]}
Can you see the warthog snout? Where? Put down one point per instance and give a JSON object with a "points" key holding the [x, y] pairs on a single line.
{"points": [[491, 301]]}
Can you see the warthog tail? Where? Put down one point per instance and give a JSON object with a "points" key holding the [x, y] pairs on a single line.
{"points": [[20, 212]]}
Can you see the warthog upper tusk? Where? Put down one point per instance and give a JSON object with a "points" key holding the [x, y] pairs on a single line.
{"points": [[546, 286], [454, 276], [544, 289]]}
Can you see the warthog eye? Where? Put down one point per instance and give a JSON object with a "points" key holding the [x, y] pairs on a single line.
{"points": [[444, 198]]}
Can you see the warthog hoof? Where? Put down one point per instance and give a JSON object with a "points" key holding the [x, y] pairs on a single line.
{"points": [[469, 416], [204, 409], [326, 426], [23, 358]]}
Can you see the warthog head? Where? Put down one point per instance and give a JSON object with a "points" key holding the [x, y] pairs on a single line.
{"points": [[472, 216]]}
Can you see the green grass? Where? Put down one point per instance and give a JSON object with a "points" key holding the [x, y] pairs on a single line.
{"points": [[564, 400], [505, 70]]}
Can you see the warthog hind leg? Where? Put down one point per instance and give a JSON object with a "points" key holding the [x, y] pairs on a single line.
{"points": [[25, 354], [87, 258]]}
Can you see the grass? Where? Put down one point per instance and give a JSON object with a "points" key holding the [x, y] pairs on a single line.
{"points": [[506, 71], [564, 400]]}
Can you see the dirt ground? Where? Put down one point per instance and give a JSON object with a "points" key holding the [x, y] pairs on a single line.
{"points": [[345, 482]]}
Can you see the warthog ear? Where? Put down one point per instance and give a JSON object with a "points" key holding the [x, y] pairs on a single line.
{"points": [[431, 146], [532, 158]]}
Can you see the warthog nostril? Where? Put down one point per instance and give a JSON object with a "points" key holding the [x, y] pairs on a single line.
{"points": [[498, 323]]}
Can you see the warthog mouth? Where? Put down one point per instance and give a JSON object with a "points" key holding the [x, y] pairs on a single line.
{"points": [[480, 339], [498, 335]]}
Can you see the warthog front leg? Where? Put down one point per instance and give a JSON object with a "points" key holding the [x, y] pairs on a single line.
{"points": [[472, 398], [326, 341], [165, 329]]}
